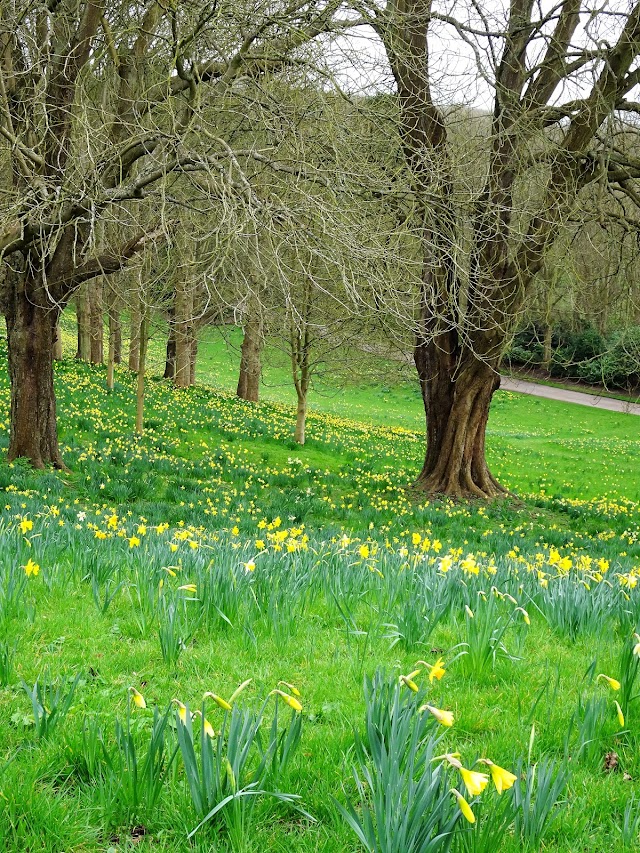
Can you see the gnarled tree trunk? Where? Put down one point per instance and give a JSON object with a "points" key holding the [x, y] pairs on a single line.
{"points": [[31, 323], [456, 389]]}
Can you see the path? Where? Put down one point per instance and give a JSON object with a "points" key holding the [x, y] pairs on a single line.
{"points": [[508, 383]]}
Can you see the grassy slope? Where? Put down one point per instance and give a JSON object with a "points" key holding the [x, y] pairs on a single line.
{"points": [[201, 465]]}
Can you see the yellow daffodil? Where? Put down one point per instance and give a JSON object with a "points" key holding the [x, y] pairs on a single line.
{"points": [[620, 715], [613, 683], [468, 611], [452, 758], [188, 587], [291, 701], [239, 690], [445, 718], [222, 703], [636, 648], [25, 525], [138, 698], [409, 682], [206, 725], [474, 782], [182, 710], [292, 688], [436, 670], [464, 806], [31, 569], [501, 778]]}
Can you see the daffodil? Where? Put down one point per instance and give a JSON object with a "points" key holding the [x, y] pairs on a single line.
{"points": [[138, 698], [620, 715], [31, 568], [501, 778], [613, 683], [464, 806], [182, 710], [292, 688], [239, 690], [206, 725], [222, 703], [436, 670], [409, 682], [445, 718], [452, 758], [636, 648], [291, 701], [474, 782], [188, 587], [25, 525]]}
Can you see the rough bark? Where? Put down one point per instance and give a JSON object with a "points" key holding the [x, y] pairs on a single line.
{"points": [[57, 343], [96, 324], [301, 419], [194, 359], [170, 359], [83, 352], [31, 323], [143, 338], [183, 332], [250, 359], [134, 336], [456, 389]]}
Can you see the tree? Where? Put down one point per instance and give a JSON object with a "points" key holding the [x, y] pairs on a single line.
{"points": [[100, 106], [556, 75]]}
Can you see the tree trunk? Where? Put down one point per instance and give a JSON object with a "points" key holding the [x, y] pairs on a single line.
{"points": [[111, 355], [547, 352], [134, 336], [194, 358], [115, 326], [183, 332], [31, 324], [457, 394], [301, 419], [143, 337], [170, 360], [250, 360], [96, 323], [57, 343], [83, 352]]}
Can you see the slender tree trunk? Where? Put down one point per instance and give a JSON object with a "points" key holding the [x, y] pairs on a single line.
{"points": [[134, 336], [194, 358], [111, 355], [457, 388], [301, 418], [183, 332], [83, 352], [57, 343], [115, 325], [31, 323], [547, 352], [250, 359], [143, 337], [96, 322], [170, 360]]}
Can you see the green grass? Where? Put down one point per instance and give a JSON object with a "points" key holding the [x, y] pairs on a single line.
{"points": [[315, 566]]}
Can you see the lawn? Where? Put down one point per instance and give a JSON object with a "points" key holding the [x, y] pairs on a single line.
{"points": [[214, 550]]}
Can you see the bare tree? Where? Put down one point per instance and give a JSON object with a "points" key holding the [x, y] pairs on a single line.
{"points": [[99, 105], [556, 74]]}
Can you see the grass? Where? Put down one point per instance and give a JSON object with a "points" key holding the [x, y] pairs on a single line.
{"points": [[214, 550]]}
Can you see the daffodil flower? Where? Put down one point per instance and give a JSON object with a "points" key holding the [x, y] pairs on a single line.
{"points": [[188, 587], [291, 701], [620, 715], [239, 690], [501, 778], [636, 648], [222, 703], [182, 710], [452, 758], [445, 718], [409, 682], [292, 688], [464, 806], [436, 670], [613, 683], [474, 782], [206, 725], [138, 698]]}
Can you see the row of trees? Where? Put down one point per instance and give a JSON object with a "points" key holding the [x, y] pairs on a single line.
{"points": [[203, 149]]}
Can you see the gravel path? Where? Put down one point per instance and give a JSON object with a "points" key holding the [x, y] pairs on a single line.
{"points": [[507, 383]]}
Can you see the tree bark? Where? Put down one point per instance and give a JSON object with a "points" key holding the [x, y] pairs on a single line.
{"points": [[301, 419], [194, 358], [170, 360], [83, 352], [31, 323], [183, 331], [250, 359], [143, 337], [134, 336], [457, 388], [57, 343], [96, 324]]}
